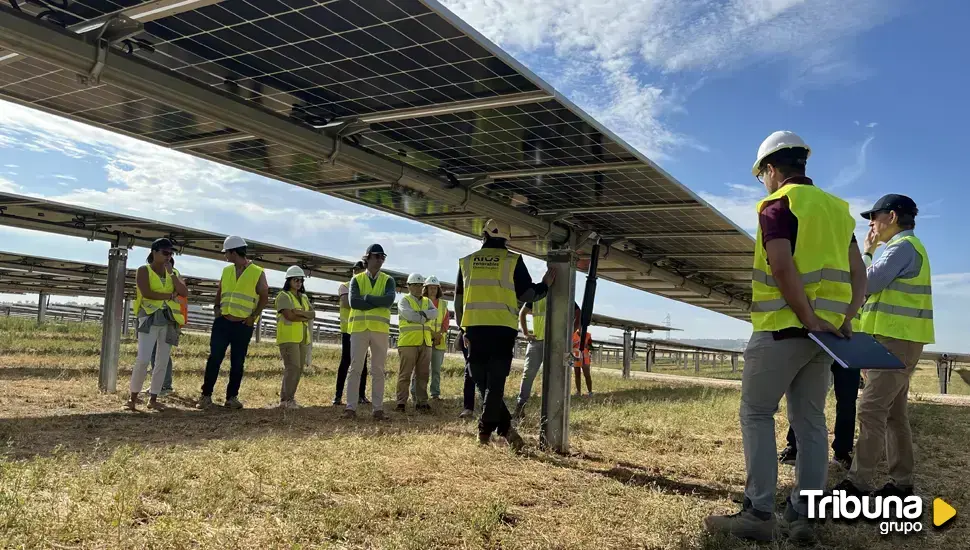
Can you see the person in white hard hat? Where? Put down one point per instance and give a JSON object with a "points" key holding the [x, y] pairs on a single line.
{"points": [[439, 336], [294, 313], [808, 276], [491, 282], [416, 316], [243, 293]]}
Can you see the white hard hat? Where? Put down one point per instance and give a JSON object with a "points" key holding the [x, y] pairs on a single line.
{"points": [[233, 241], [782, 139], [432, 281], [295, 271], [497, 229], [415, 279]]}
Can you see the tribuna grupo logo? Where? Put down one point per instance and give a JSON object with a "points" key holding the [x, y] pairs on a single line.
{"points": [[894, 514]]}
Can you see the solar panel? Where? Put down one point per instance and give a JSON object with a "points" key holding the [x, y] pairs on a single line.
{"points": [[361, 93]]}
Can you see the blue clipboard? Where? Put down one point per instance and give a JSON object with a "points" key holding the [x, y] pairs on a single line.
{"points": [[862, 351]]}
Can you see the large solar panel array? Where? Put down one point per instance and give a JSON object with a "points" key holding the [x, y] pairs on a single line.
{"points": [[29, 274], [392, 80], [79, 221]]}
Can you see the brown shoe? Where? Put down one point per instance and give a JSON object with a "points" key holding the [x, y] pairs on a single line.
{"points": [[349, 413], [379, 415], [484, 439], [516, 443]]}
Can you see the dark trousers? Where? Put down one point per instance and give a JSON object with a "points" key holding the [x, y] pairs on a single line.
{"points": [[490, 361], [227, 334], [344, 366], [468, 392], [846, 393]]}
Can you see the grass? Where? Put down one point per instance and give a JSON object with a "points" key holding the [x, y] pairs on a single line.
{"points": [[649, 461]]}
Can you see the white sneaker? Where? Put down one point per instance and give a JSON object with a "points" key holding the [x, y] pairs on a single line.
{"points": [[291, 404], [467, 413]]}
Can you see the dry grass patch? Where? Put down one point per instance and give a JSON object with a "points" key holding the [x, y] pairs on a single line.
{"points": [[649, 461]]}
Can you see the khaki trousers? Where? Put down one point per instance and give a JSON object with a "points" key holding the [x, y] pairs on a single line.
{"points": [[294, 359], [416, 359], [884, 420]]}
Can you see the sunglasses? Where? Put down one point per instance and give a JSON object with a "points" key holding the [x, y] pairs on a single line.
{"points": [[297, 279], [166, 253]]}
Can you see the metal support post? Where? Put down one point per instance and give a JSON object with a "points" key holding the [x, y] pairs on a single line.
{"points": [[112, 318], [627, 352], [943, 372], [684, 354], [84, 314], [734, 362], [697, 362], [557, 352], [126, 318], [259, 328], [651, 357], [42, 307]]}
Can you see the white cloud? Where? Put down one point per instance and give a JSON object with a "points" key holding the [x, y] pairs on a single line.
{"points": [[821, 69], [65, 177], [851, 174], [11, 166], [872, 125], [952, 284], [599, 52], [8, 186]]}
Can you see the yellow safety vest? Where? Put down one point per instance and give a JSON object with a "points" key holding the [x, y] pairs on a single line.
{"points": [[539, 319], [442, 312], [821, 256], [904, 309], [414, 334], [373, 320], [156, 284], [489, 289], [238, 297], [292, 332], [345, 317]]}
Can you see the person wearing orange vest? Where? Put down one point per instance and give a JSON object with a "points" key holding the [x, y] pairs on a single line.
{"points": [[243, 293], [159, 319], [581, 365]]}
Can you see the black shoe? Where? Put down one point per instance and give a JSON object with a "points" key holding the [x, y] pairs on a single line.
{"points": [[337, 402], [423, 407], [845, 461], [484, 439], [850, 489], [891, 490], [788, 456], [364, 401], [400, 408]]}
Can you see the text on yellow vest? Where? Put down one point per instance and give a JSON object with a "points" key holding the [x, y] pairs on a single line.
{"points": [[489, 289]]}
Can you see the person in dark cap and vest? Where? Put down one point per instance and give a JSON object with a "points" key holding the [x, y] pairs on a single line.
{"points": [[243, 293], [491, 282], [371, 295], [808, 276], [899, 314]]}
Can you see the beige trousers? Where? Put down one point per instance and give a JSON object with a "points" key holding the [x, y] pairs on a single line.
{"points": [[294, 359], [884, 429], [416, 359]]}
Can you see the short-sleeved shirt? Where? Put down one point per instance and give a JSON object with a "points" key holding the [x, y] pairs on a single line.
{"points": [[343, 289], [777, 220], [283, 301]]}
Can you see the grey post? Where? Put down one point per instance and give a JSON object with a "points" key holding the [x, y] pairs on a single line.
{"points": [[112, 318], [684, 354], [557, 353], [126, 317], [943, 372], [627, 352], [42, 307], [734, 362], [697, 362], [651, 357], [259, 327]]}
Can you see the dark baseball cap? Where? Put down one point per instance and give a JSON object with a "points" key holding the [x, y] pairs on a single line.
{"points": [[901, 204], [375, 249], [163, 244]]}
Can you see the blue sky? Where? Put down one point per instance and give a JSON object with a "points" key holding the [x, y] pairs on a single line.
{"points": [[874, 86]]}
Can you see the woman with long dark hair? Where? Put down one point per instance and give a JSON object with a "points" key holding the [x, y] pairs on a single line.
{"points": [[293, 317]]}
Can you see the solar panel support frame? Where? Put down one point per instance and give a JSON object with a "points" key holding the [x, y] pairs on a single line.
{"points": [[114, 302], [557, 353], [28, 36]]}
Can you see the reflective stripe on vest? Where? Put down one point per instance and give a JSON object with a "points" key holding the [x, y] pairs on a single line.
{"points": [[825, 229], [156, 284], [293, 332], [373, 320], [345, 320], [239, 296], [442, 311], [489, 289], [904, 309], [414, 334], [539, 319]]}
